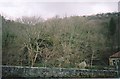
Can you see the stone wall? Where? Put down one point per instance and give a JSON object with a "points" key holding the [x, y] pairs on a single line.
{"points": [[19, 71]]}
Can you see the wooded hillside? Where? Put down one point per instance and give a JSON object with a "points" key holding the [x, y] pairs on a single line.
{"points": [[60, 42]]}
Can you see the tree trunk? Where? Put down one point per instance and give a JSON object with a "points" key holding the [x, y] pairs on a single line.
{"points": [[34, 59]]}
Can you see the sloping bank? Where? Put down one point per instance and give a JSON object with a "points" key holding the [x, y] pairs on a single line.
{"points": [[20, 71]]}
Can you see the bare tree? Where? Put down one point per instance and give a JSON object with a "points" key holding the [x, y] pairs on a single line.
{"points": [[30, 20]]}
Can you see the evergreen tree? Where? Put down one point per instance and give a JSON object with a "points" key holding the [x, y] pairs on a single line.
{"points": [[112, 27]]}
